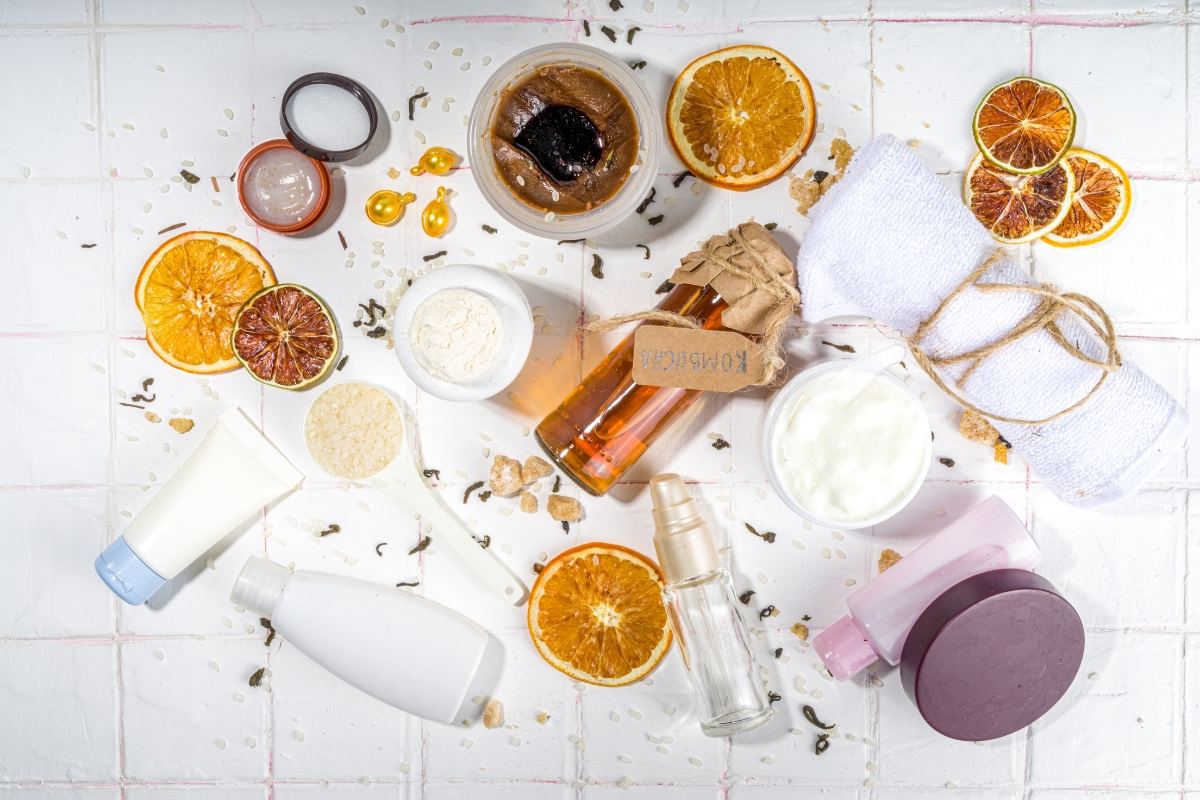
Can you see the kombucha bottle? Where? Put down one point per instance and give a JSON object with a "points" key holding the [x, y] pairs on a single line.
{"points": [[605, 424]]}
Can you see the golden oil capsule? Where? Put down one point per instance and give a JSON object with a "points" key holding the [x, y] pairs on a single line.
{"points": [[435, 219], [385, 206], [436, 161]]}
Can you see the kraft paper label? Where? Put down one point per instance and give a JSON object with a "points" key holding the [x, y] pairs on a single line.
{"points": [[715, 361]]}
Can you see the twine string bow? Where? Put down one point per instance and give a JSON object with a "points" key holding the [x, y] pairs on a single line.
{"points": [[786, 296], [1043, 318]]}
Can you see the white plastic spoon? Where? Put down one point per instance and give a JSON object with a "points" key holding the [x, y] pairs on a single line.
{"points": [[401, 478]]}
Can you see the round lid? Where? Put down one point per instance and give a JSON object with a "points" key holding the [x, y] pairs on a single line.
{"points": [[991, 655], [325, 123]]}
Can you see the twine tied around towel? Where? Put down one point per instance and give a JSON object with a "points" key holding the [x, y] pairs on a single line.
{"points": [[786, 300], [1044, 317]]}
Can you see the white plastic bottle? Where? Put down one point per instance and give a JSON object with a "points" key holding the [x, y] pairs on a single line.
{"points": [[404, 650], [988, 537]]}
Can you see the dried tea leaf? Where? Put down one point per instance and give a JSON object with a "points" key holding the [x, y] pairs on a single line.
{"points": [[412, 103], [471, 488], [646, 203], [810, 714], [845, 348]]}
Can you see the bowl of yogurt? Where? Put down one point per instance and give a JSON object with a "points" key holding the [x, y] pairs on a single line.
{"points": [[846, 453], [463, 332]]}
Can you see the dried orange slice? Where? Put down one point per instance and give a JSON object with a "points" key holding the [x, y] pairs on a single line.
{"points": [[741, 116], [1099, 204], [285, 336], [596, 613], [1017, 208], [1024, 126], [189, 291]]}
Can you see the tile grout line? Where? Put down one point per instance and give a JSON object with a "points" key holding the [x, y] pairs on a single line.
{"points": [[1183, 640], [96, 99]]}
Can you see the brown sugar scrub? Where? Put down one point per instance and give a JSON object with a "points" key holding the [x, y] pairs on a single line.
{"points": [[564, 140]]}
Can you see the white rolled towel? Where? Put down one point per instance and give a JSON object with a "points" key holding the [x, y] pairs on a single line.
{"points": [[890, 241]]}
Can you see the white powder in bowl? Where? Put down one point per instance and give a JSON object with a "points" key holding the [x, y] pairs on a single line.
{"points": [[456, 334]]}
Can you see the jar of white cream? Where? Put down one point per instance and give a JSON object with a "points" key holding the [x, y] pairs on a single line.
{"points": [[846, 451]]}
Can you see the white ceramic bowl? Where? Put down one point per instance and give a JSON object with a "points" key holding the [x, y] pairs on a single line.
{"points": [[615, 209], [514, 313], [775, 411]]}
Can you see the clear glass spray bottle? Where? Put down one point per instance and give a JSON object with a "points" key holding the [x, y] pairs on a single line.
{"points": [[729, 694]]}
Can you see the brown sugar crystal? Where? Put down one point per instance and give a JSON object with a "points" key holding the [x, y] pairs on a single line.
{"points": [[564, 509], [505, 479]]}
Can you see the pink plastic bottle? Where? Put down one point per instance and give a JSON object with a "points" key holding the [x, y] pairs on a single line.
{"points": [[988, 537]]}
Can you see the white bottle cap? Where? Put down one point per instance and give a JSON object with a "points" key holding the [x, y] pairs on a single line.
{"points": [[259, 586]]}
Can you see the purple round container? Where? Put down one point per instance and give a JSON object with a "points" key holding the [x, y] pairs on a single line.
{"points": [[991, 655]]}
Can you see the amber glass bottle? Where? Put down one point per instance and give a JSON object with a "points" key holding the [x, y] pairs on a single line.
{"points": [[605, 424]]}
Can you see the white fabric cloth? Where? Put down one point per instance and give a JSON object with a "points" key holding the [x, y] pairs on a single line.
{"points": [[889, 241]]}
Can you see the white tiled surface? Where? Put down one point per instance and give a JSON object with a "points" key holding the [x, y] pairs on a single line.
{"points": [[89, 709]]}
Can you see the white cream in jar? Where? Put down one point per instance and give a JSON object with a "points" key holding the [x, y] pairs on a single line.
{"points": [[850, 449]]}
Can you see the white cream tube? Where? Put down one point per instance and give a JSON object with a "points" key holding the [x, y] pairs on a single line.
{"points": [[233, 473]]}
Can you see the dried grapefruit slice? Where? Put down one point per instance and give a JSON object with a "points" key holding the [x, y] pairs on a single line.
{"points": [[1024, 126], [1099, 204], [1017, 208], [285, 336], [740, 117], [596, 613], [189, 291]]}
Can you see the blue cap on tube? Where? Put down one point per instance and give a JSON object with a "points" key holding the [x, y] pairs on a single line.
{"points": [[126, 574]]}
